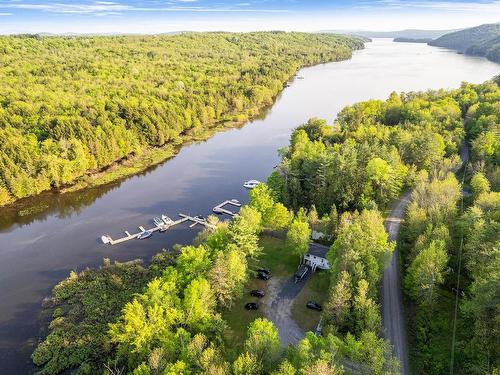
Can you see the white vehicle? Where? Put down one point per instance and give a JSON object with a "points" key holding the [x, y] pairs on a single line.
{"points": [[251, 184]]}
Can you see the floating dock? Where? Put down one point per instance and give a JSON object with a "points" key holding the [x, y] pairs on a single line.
{"points": [[108, 240], [196, 220], [219, 209]]}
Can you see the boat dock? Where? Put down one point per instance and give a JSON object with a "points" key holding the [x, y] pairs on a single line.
{"points": [[219, 209], [195, 220]]}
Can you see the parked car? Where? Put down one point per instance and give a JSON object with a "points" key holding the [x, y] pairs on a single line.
{"points": [[257, 293], [314, 306], [264, 270], [301, 273], [263, 276], [251, 306]]}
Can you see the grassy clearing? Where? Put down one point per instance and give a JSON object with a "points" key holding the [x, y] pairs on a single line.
{"points": [[315, 290], [281, 262], [277, 257], [238, 318]]}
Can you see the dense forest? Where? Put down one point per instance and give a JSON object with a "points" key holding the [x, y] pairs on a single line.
{"points": [[482, 40], [168, 317], [70, 106], [375, 151], [451, 250]]}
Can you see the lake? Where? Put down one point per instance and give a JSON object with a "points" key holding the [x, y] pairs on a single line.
{"points": [[54, 234]]}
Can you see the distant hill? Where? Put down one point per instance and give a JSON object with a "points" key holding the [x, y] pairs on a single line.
{"points": [[413, 40], [410, 33], [482, 40]]}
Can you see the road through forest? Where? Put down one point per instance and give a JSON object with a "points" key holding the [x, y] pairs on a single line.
{"points": [[392, 295]]}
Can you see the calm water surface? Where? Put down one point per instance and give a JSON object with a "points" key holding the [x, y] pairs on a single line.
{"points": [[38, 250]]}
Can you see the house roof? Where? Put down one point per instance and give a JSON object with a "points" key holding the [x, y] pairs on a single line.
{"points": [[318, 250]]}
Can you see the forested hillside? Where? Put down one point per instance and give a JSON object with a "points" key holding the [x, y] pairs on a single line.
{"points": [[70, 106], [482, 40], [377, 150], [168, 317]]}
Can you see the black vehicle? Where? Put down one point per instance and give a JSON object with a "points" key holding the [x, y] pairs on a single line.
{"points": [[251, 306], [257, 293], [314, 306], [264, 270], [301, 273], [263, 276]]}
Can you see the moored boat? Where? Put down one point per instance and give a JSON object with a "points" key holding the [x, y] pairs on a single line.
{"points": [[251, 184], [159, 222], [167, 220], [144, 235]]}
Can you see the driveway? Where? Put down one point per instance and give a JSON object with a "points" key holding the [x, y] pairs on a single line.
{"points": [[277, 307]]}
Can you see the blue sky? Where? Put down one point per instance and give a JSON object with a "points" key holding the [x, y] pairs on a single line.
{"points": [[155, 16]]}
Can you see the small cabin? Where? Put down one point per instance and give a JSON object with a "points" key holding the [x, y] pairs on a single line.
{"points": [[316, 257]]}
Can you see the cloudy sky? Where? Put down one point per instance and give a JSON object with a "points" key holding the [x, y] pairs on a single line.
{"points": [[156, 16]]}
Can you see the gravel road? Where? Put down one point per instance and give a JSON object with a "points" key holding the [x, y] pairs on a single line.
{"points": [[392, 296]]}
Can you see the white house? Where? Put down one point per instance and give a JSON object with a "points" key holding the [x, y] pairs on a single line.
{"points": [[316, 257]]}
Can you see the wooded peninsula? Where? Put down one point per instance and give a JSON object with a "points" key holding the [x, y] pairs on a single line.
{"points": [[72, 107]]}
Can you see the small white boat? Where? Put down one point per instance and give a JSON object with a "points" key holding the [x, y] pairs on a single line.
{"points": [[158, 222], [144, 235], [105, 239], [251, 184], [167, 220]]}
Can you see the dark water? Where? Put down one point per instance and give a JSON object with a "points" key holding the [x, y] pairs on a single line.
{"points": [[61, 233]]}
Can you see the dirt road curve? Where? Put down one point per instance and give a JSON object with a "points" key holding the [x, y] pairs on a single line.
{"points": [[392, 297]]}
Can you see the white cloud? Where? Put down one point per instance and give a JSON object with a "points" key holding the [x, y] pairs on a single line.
{"points": [[453, 6], [110, 7]]}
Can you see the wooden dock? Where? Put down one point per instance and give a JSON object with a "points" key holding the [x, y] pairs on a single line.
{"points": [[196, 220], [108, 240], [219, 209]]}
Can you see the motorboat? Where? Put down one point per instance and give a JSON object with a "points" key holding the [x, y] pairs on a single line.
{"points": [[218, 210], [158, 221], [105, 239], [144, 235], [251, 184], [167, 220]]}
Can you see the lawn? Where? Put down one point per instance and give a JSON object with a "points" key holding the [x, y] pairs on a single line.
{"points": [[238, 318], [315, 289], [277, 257], [279, 260]]}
